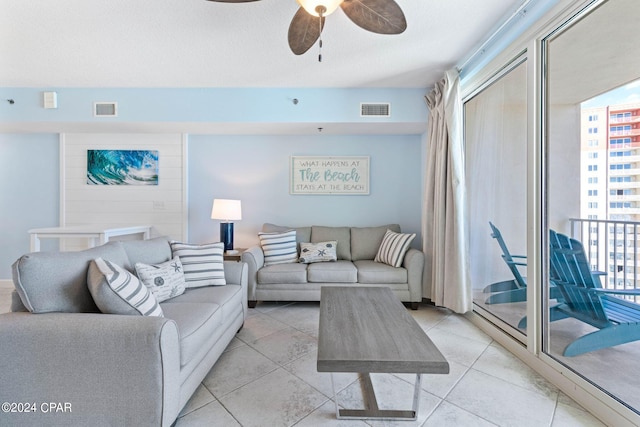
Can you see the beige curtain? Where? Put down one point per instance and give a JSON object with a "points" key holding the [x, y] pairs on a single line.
{"points": [[446, 277]]}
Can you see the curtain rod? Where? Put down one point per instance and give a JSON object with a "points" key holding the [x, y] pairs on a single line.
{"points": [[519, 12]]}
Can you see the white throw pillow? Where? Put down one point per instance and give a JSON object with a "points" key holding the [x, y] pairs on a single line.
{"points": [[116, 291], [165, 280], [318, 252], [393, 248], [279, 248], [203, 265]]}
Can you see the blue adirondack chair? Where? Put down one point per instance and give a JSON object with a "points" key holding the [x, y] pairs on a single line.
{"points": [[513, 290], [617, 320], [556, 265]]}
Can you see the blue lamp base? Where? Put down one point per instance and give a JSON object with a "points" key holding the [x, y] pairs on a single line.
{"points": [[226, 235]]}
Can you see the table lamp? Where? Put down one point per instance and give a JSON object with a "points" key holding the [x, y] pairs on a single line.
{"points": [[226, 211]]}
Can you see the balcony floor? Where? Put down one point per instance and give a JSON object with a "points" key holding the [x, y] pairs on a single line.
{"points": [[608, 368]]}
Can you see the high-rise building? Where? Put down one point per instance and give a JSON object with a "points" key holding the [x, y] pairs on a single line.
{"points": [[610, 190]]}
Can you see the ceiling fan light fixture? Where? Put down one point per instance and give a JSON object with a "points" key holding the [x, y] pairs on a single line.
{"points": [[311, 6]]}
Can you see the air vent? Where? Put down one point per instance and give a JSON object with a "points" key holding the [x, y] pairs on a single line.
{"points": [[105, 109], [375, 110]]}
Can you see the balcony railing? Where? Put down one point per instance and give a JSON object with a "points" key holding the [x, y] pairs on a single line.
{"points": [[613, 247]]}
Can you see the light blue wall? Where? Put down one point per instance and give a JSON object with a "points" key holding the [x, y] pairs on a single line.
{"points": [[255, 169], [210, 105], [29, 192]]}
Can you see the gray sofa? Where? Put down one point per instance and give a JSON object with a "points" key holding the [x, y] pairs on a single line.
{"points": [[356, 250], [109, 369]]}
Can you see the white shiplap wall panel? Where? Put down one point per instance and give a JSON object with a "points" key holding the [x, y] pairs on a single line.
{"points": [[162, 206]]}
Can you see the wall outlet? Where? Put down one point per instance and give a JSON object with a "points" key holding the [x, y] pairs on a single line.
{"points": [[158, 205]]}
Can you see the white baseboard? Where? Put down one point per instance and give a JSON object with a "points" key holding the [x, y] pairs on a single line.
{"points": [[6, 284]]}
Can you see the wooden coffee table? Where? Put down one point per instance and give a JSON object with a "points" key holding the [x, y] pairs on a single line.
{"points": [[368, 330]]}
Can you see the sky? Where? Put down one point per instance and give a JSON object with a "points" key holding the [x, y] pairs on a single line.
{"points": [[623, 95]]}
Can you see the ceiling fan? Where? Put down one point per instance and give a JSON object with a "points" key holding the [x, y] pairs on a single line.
{"points": [[378, 16]]}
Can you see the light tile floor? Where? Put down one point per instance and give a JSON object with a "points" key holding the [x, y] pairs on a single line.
{"points": [[624, 357], [267, 377]]}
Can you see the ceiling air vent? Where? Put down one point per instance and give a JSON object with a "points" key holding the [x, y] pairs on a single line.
{"points": [[375, 109], [105, 109]]}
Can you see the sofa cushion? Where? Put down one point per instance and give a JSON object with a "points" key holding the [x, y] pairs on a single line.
{"points": [[365, 241], [279, 248], [164, 280], [16, 303], [57, 281], [203, 265], [318, 252], [228, 297], [342, 235], [371, 273], [332, 272], [117, 291], [283, 273], [393, 247], [151, 251], [303, 234], [196, 323]]}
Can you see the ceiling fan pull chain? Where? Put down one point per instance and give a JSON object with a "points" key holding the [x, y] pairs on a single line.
{"points": [[320, 9]]}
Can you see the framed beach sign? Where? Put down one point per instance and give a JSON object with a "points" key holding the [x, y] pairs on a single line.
{"points": [[329, 175], [122, 167]]}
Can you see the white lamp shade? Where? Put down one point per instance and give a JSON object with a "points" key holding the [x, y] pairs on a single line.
{"points": [[226, 210], [310, 6]]}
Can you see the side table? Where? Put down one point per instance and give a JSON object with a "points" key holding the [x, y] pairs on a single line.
{"points": [[237, 256]]}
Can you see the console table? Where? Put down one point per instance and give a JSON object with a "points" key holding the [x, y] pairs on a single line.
{"points": [[97, 235], [365, 330]]}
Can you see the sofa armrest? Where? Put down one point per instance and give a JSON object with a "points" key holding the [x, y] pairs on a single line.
{"points": [[414, 263], [237, 273], [254, 257], [99, 369]]}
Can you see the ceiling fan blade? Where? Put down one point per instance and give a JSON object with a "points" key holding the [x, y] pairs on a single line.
{"points": [[378, 16], [303, 31]]}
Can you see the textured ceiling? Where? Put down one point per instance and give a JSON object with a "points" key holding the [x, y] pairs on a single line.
{"points": [[198, 43]]}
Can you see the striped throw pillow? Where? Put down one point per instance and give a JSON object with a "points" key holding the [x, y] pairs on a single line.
{"points": [[279, 248], [393, 247], [203, 265], [116, 291]]}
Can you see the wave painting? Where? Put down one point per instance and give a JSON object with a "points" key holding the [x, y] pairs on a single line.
{"points": [[122, 167]]}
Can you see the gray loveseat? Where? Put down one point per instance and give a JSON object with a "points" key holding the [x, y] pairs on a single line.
{"points": [[109, 369], [355, 265]]}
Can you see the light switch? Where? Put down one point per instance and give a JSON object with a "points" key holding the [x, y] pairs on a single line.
{"points": [[50, 100]]}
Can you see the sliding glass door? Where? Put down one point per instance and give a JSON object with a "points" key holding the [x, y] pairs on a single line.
{"points": [[496, 172], [592, 115]]}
